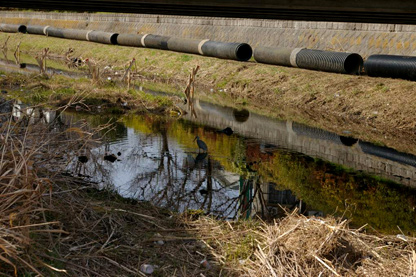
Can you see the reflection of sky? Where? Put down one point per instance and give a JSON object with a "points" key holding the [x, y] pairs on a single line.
{"points": [[172, 179]]}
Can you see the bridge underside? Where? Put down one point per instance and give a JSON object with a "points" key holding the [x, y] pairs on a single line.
{"points": [[368, 11]]}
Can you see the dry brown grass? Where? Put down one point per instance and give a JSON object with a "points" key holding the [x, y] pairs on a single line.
{"points": [[54, 224], [22, 210], [29, 149], [301, 246], [57, 224]]}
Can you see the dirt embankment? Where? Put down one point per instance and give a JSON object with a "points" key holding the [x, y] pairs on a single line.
{"points": [[380, 110]]}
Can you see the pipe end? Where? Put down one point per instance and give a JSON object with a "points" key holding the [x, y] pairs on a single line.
{"points": [[113, 38], [22, 29], [353, 64], [244, 52]]}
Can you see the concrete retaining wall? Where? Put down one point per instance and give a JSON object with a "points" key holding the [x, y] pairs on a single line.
{"points": [[363, 38]]}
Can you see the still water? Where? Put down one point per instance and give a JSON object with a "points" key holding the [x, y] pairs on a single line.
{"points": [[263, 167]]}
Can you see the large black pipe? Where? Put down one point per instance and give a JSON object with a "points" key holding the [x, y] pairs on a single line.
{"points": [[339, 62], [36, 29], [130, 40], [186, 45], [227, 50], [12, 28], [387, 153], [155, 41], [66, 33], [393, 66], [102, 37], [273, 55]]}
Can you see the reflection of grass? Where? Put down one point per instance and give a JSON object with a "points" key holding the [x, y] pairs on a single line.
{"points": [[381, 203]]}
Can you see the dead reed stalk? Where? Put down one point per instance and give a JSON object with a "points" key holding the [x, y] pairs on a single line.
{"points": [[41, 59], [4, 48], [94, 70], [128, 74], [190, 90], [16, 53]]}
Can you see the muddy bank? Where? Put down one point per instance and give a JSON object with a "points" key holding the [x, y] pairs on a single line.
{"points": [[380, 110]]}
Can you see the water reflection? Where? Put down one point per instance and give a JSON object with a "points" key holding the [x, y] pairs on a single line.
{"points": [[243, 177], [314, 142], [157, 160]]}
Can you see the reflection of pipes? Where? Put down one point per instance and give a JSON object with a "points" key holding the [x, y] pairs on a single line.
{"points": [[241, 115], [387, 153], [348, 141], [316, 133]]}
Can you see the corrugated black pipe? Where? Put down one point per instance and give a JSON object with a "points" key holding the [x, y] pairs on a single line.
{"points": [[227, 50], [387, 153], [36, 29], [393, 66], [130, 40], [12, 28], [66, 33], [102, 37], [155, 41], [273, 55], [339, 62]]}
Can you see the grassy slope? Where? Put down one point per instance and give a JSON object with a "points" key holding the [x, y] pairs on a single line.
{"points": [[375, 109]]}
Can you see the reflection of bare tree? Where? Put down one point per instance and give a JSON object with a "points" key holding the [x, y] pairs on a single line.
{"points": [[154, 168], [252, 199], [180, 186], [4, 48]]}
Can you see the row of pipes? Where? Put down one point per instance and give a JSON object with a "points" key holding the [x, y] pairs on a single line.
{"points": [[394, 66]]}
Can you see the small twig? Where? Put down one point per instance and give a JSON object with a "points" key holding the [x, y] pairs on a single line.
{"points": [[17, 53], [122, 266], [326, 265]]}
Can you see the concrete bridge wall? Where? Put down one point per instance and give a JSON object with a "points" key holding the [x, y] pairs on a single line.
{"points": [[362, 38]]}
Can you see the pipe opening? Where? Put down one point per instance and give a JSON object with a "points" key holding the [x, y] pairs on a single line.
{"points": [[241, 115], [22, 29], [348, 141], [243, 52], [353, 64], [113, 38]]}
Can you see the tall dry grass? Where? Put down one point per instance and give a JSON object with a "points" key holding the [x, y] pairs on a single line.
{"points": [[300, 246], [30, 146]]}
